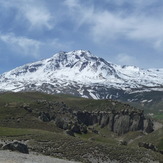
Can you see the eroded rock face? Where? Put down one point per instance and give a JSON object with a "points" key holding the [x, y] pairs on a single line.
{"points": [[148, 126], [121, 124], [87, 118], [104, 120], [118, 121]]}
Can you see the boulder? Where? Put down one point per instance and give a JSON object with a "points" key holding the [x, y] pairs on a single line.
{"points": [[122, 142], [16, 146], [75, 128]]}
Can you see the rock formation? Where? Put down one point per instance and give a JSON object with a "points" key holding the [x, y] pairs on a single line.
{"points": [[119, 121]]}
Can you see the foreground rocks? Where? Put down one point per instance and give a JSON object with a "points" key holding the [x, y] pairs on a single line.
{"points": [[16, 146]]}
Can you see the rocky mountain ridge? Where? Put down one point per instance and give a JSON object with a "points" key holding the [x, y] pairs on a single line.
{"points": [[83, 74]]}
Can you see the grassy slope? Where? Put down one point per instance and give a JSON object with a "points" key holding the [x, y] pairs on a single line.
{"points": [[17, 123]]}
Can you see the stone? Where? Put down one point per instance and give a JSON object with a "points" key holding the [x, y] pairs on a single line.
{"points": [[122, 142], [16, 146], [75, 128]]}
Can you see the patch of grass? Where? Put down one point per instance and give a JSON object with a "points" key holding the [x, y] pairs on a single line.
{"points": [[131, 136], [4, 131], [155, 138]]}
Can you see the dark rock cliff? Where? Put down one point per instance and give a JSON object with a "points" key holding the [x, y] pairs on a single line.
{"points": [[120, 122]]}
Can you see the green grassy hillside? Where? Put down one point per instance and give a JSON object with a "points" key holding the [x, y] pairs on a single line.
{"points": [[17, 123]]}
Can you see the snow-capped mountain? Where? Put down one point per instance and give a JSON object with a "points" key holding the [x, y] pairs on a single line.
{"points": [[83, 74]]}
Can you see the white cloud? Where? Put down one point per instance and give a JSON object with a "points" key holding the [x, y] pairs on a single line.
{"points": [[23, 45], [72, 3], [34, 12], [159, 45], [37, 16], [125, 59], [80, 13], [106, 25], [137, 4], [29, 47]]}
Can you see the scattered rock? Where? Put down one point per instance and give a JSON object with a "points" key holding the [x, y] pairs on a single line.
{"points": [[122, 142], [148, 146], [93, 130], [27, 108]]}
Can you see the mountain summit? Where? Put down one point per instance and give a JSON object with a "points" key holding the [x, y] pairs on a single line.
{"points": [[80, 73]]}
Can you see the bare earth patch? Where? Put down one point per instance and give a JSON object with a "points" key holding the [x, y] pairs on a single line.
{"points": [[14, 157]]}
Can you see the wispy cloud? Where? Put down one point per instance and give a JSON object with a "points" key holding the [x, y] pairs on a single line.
{"points": [[80, 13], [105, 25], [22, 45], [125, 59], [25, 46], [34, 12], [38, 17]]}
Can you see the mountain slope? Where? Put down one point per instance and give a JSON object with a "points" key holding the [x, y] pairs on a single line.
{"points": [[82, 74]]}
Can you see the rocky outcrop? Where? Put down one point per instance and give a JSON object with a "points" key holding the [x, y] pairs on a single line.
{"points": [[148, 125], [45, 117], [16, 146], [119, 121]]}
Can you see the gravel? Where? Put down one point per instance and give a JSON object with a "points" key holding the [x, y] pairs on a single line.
{"points": [[15, 157]]}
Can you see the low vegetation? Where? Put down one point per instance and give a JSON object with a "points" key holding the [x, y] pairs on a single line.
{"points": [[97, 145]]}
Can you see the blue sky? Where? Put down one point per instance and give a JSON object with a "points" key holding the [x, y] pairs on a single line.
{"points": [[121, 31]]}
